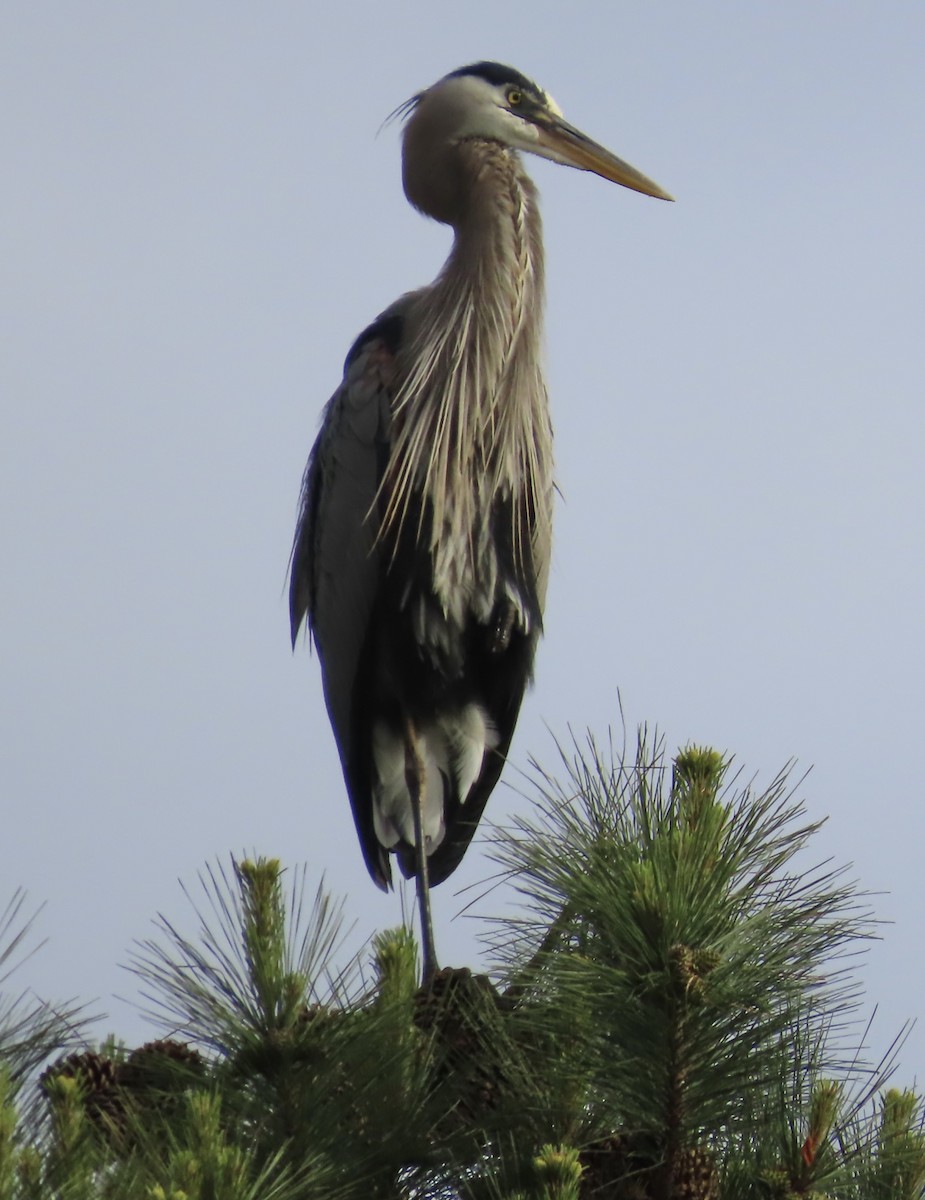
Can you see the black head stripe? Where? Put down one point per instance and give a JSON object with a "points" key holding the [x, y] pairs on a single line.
{"points": [[497, 75]]}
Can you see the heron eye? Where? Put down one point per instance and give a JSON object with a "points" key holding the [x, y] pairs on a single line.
{"points": [[514, 97]]}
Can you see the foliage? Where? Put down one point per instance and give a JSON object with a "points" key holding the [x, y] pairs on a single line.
{"points": [[29, 1028], [673, 1018]]}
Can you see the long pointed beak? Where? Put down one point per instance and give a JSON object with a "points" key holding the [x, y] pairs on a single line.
{"points": [[566, 144]]}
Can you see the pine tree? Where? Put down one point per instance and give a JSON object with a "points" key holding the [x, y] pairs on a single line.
{"points": [[671, 1020]]}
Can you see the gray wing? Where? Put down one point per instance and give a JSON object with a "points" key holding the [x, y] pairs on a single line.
{"points": [[335, 567]]}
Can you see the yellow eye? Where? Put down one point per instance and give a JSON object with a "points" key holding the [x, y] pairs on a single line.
{"points": [[514, 97]]}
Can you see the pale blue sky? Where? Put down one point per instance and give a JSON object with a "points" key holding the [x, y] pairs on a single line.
{"points": [[197, 217]]}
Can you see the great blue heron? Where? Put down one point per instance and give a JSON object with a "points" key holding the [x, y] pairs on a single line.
{"points": [[422, 547]]}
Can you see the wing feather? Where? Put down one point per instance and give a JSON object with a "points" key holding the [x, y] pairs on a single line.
{"points": [[335, 566]]}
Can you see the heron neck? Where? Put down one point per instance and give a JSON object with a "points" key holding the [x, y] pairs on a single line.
{"points": [[497, 255], [470, 419]]}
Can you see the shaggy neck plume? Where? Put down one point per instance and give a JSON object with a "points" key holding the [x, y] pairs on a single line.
{"points": [[474, 337]]}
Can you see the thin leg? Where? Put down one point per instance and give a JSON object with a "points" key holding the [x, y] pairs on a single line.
{"points": [[414, 776]]}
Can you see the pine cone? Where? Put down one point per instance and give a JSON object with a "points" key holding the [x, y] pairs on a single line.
{"points": [[696, 1176], [461, 1011], [164, 1065], [98, 1077], [157, 1073], [615, 1169]]}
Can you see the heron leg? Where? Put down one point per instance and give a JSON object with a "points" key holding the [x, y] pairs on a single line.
{"points": [[415, 777]]}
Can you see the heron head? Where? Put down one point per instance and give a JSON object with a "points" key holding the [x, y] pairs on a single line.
{"points": [[498, 103]]}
